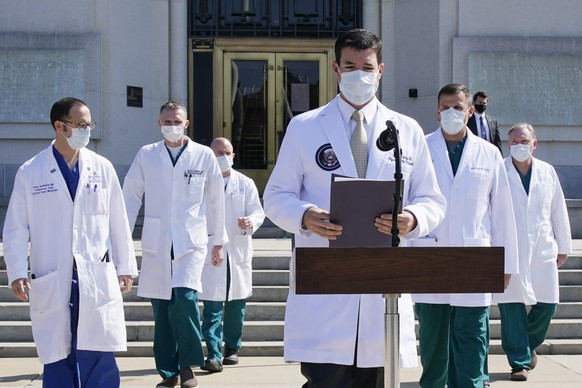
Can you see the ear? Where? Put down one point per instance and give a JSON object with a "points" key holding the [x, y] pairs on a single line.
{"points": [[59, 125], [534, 144], [186, 123], [335, 68]]}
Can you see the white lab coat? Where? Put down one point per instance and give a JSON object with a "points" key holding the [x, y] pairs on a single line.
{"points": [[41, 211], [322, 328], [543, 231], [241, 199], [184, 208], [479, 210]]}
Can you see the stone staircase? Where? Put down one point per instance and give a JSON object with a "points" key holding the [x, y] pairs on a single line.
{"points": [[263, 333]]}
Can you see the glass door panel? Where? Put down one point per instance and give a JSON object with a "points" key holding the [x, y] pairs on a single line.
{"points": [[262, 93]]}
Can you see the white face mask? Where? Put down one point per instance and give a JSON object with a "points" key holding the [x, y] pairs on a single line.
{"points": [[224, 162], [452, 121], [358, 86], [520, 152], [172, 133], [79, 138]]}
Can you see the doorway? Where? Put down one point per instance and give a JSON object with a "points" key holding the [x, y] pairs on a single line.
{"points": [[261, 91]]}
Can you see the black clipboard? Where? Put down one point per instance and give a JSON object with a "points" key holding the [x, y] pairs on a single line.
{"points": [[354, 204]]}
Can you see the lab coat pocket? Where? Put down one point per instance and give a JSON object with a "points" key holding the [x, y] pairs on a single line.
{"points": [[107, 285], [239, 249], [49, 314], [477, 185], [194, 190], [96, 201], [543, 199], [151, 234], [426, 241], [44, 295]]}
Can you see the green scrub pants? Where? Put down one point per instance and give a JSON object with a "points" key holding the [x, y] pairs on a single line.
{"points": [[453, 345], [213, 329], [177, 332], [523, 332]]}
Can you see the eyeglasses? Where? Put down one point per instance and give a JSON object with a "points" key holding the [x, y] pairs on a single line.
{"points": [[81, 126]]}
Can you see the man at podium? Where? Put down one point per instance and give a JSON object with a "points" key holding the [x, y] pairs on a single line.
{"points": [[339, 339]]}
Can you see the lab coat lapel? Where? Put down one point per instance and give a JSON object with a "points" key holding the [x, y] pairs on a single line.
{"points": [[54, 172], [515, 181], [440, 154], [85, 169], [467, 157], [331, 121]]}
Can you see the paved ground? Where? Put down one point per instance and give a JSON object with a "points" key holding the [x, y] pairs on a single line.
{"points": [[262, 372]]}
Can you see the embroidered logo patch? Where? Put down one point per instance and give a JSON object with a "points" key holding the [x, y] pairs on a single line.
{"points": [[326, 158]]}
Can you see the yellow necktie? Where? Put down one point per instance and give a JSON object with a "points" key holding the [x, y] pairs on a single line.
{"points": [[359, 144]]}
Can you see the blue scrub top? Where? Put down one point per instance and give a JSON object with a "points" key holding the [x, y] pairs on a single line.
{"points": [[71, 175]]}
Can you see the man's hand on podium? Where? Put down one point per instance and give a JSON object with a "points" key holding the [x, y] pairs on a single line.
{"points": [[316, 220]]}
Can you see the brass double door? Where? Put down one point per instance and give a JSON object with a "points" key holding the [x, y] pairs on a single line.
{"points": [[262, 91]]}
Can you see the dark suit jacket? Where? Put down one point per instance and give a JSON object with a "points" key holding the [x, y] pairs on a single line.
{"points": [[493, 130]]}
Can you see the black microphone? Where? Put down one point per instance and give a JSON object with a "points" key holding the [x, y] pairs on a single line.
{"points": [[386, 141]]}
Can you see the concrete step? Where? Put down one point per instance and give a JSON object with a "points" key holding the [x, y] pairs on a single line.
{"points": [[261, 277], [570, 294], [573, 262], [21, 331], [570, 277], [272, 330], [566, 310], [142, 311], [263, 293]]}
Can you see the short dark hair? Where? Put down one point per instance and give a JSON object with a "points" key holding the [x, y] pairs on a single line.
{"points": [[479, 94], [358, 39], [62, 107], [173, 105], [454, 89]]}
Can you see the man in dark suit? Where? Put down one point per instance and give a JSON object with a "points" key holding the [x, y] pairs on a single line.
{"points": [[484, 125]]}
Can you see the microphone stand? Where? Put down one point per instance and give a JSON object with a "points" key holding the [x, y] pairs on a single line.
{"points": [[397, 189], [386, 141]]}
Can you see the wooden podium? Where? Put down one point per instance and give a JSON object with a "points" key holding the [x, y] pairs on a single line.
{"points": [[395, 270]]}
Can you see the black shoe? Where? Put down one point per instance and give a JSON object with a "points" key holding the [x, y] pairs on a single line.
{"points": [[519, 375], [230, 356], [212, 366], [169, 382], [187, 378]]}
